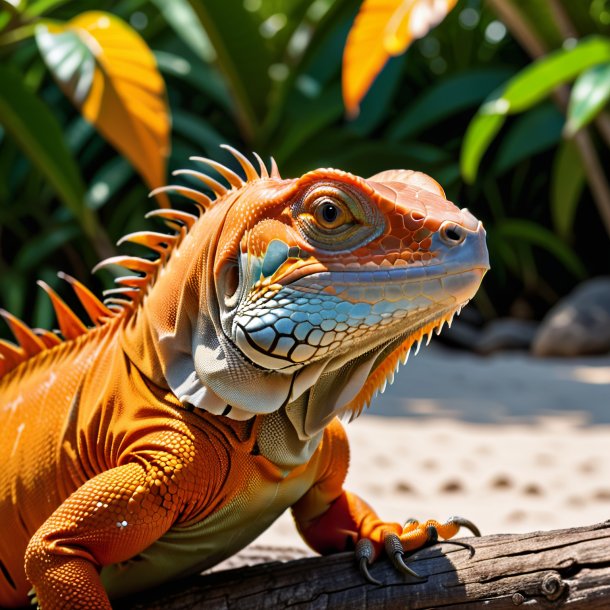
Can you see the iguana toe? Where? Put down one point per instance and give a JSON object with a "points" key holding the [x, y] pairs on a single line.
{"points": [[365, 553], [393, 547]]}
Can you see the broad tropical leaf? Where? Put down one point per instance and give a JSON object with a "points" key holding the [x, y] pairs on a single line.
{"points": [[446, 98], [105, 68], [384, 28], [39, 135], [524, 90], [545, 121], [537, 81], [590, 94], [480, 132], [242, 56]]}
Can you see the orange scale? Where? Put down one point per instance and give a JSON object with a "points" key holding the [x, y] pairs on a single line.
{"points": [[426, 243], [378, 259], [362, 253], [411, 225], [432, 224], [396, 222], [391, 242], [422, 234]]}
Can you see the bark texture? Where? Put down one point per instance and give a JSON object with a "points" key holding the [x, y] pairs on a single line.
{"points": [[555, 569]]}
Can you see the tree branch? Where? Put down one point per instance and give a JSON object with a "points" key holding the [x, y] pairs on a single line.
{"points": [[555, 569]]}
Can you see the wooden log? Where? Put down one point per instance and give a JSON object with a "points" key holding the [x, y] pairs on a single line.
{"points": [[555, 569]]}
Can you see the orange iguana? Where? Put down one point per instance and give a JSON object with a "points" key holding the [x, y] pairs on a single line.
{"points": [[206, 398]]}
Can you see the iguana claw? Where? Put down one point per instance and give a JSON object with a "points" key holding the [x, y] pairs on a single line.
{"points": [[393, 548], [364, 556], [415, 536], [433, 535], [469, 525]]}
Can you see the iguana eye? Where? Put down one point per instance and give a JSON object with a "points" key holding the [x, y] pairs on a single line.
{"points": [[336, 217], [330, 214]]}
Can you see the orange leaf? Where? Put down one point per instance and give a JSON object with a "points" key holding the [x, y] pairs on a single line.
{"points": [[105, 68], [384, 28]]}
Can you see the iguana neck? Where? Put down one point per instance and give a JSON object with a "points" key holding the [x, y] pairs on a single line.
{"points": [[176, 337]]}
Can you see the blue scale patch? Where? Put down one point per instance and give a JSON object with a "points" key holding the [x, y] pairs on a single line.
{"points": [[277, 253]]}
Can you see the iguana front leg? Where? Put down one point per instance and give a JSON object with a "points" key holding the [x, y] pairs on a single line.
{"points": [[111, 518], [331, 519]]}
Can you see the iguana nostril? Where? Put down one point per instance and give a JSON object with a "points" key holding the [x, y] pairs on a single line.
{"points": [[452, 234]]}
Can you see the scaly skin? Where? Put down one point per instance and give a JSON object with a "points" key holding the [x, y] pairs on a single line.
{"points": [[204, 402]]}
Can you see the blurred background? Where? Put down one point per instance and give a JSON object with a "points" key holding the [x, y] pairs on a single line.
{"points": [[265, 75], [504, 103]]}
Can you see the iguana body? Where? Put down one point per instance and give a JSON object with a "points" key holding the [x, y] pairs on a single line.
{"points": [[205, 401]]}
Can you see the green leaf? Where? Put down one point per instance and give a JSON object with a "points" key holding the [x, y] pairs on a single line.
{"points": [[530, 134], [38, 133], [366, 158], [536, 81], [445, 99], [41, 247], [109, 179], [35, 9], [242, 57], [481, 131], [314, 115], [567, 183], [528, 231], [196, 130], [524, 90], [181, 17], [196, 74], [590, 93]]}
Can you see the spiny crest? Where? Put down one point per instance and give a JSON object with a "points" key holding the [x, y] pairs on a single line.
{"points": [[384, 374], [31, 341], [130, 289]]}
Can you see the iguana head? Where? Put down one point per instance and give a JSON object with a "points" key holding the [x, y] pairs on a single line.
{"points": [[283, 285]]}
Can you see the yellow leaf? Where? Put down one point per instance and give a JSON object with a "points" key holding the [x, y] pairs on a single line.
{"points": [[384, 28], [111, 75]]}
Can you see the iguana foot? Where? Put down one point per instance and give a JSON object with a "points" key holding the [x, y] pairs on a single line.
{"points": [[415, 535]]}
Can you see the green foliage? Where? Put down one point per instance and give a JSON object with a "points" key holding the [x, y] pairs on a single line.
{"points": [[527, 89], [36, 130], [568, 181], [590, 94], [265, 76]]}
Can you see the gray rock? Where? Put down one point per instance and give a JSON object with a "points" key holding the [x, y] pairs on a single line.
{"points": [[506, 334], [462, 335], [579, 324]]}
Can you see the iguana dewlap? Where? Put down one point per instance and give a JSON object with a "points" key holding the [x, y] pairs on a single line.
{"points": [[205, 400]]}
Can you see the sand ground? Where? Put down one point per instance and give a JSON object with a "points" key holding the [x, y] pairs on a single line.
{"points": [[511, 442]]}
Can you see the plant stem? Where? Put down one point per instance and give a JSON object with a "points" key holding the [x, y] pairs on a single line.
{"points": [[535, 47], [562, 20], [519, 27], [17, 35]]}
